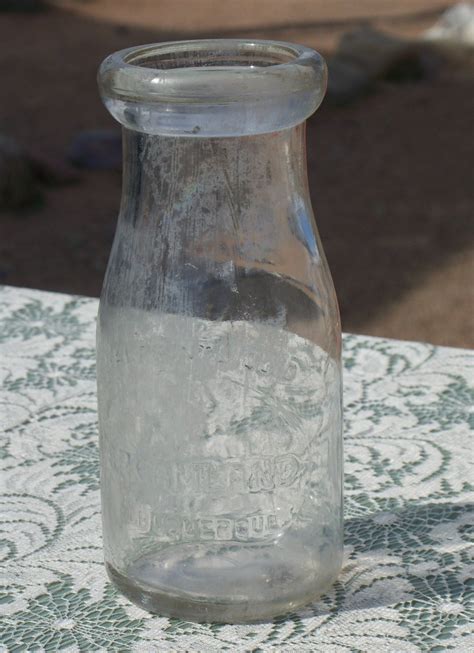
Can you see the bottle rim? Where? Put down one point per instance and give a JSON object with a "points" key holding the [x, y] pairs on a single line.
{"points": [[200, 78]]}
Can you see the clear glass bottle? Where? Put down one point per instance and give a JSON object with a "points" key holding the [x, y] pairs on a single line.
{"points": [[218, 341]]}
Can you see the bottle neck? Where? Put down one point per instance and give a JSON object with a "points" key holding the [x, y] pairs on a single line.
{"points": [[196, 210], [218, 187]]}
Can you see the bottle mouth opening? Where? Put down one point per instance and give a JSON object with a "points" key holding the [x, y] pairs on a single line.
{"points": [[213, 80], [218, 54]]}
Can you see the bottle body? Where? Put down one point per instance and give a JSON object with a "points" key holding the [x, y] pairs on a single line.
{"points": [[219, 381]]}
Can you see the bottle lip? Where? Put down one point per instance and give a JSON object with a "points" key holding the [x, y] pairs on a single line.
{"points": [[211, 81]]}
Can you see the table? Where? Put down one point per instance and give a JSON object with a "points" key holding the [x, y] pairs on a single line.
{"points": [[408, 501]]}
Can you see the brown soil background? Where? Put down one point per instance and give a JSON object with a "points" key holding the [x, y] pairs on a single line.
{"points": [[390, 174]]}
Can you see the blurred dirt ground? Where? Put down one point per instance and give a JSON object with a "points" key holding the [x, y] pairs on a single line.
{"points": [[390, 174]]}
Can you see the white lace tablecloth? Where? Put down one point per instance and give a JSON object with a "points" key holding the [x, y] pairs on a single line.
{"points": [[408, 526]]}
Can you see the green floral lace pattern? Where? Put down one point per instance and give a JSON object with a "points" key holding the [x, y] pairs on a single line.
{"points": [[407, 582]]}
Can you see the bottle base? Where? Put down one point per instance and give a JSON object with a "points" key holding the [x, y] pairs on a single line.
{"points": [[247, 587]]}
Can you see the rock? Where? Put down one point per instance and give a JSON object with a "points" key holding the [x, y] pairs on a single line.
{"points": [[51, 171], [455, 25], [366, 55], [123, 30], [346, 81], [19, 186], [97, 150], [452, 37], [22, 173], [374, 52], [383, 56]]}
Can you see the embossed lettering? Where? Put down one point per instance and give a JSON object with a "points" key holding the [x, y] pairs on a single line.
{"points": [[286, 470], [214, 477], [167, 527], [224, 529], [261, 475], [241, 529]]}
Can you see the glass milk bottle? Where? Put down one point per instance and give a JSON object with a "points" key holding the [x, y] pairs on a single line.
{"points": [[218, 340]]}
